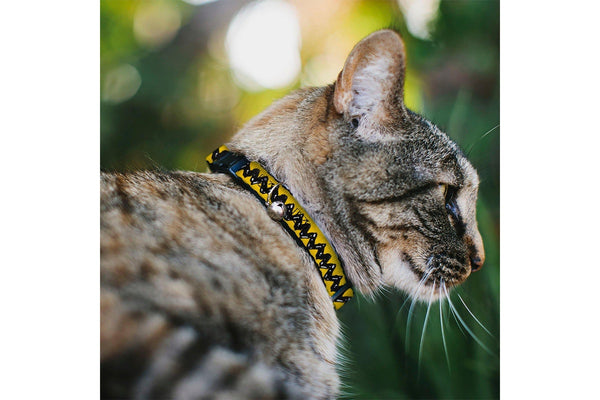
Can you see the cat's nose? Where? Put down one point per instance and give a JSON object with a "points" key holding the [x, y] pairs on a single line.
{"points": [[476, 262], [476, 252]]}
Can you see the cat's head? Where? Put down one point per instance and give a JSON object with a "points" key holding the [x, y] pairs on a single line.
{"points": [[394, 193]]}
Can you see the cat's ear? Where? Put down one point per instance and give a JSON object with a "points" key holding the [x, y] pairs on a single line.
{"points": [[373, 76]]}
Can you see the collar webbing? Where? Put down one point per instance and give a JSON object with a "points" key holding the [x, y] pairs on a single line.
{"points": [[295, 219]]}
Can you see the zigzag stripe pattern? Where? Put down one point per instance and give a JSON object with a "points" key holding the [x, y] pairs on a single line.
{"points": [[296, 222], [322, 258], [257, 179]]}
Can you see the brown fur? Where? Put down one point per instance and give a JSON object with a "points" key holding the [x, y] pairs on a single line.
{"points": [[204, 296]]}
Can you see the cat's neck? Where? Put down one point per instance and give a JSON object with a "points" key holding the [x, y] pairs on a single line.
{"points": [[277, 138], [291, 140]]}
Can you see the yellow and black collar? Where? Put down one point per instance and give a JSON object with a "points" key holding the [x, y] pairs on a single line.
{"points": [[292, 217]]}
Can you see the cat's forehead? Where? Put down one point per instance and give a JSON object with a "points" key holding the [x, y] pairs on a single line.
{"points": [[411, 149], [454, 166], [470, 174], [400, 165], [427, 157]]}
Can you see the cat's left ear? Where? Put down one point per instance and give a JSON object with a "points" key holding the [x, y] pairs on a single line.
{"points": [[373, 77]]}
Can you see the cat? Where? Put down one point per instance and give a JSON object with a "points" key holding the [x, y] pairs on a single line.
{"points": [[204, 294]]}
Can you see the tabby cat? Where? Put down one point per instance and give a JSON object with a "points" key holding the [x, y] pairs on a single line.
{"points": [[205, 296]]}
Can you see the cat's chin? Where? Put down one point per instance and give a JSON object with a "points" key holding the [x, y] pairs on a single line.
{"points": [[398, 273]]}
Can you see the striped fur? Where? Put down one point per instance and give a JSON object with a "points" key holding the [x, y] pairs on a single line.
{"points": [[204, 296]]}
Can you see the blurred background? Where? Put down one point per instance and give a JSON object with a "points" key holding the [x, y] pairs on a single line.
{"points": [[178, 78]]}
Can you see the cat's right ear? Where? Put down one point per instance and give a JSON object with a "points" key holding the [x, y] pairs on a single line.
{"points": [[372, 79]]}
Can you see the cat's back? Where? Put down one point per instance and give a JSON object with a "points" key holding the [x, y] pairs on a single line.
{"points": [[195, 278]]}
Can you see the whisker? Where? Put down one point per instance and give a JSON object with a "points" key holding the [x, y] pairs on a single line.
{"points": [[442, 327], [402, 306], [480, 139], [488, 132], [456, 320], [408, 297], [412, 304], [451, 311], [447, 315], [410, 310], [412, 295], [425, 325], [414, 292], [467, 328], [474, 317]]}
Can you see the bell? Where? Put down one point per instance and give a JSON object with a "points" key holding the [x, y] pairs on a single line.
{"points": [[276, 210]]}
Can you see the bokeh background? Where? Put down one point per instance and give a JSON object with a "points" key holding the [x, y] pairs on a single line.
{"points": [[178, 78]]}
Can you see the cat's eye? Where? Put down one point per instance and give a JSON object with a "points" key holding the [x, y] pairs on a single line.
{"points": [[451, 205], [444, 189], [449, 196], [354, 122]]}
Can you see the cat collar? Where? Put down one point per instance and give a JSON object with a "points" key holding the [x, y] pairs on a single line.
{"points": [[284, 208]]}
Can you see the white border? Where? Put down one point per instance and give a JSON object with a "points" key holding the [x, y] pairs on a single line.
{"points": [[49, 158], [549, 200]]}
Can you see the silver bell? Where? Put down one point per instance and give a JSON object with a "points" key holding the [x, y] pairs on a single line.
{"points": [[276, 210]]}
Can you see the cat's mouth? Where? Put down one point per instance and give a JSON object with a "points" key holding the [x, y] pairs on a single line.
{"points": [[443, 268], [438, 276], [427, 279]]}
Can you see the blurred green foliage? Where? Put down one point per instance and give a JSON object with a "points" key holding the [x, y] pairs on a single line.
{"points": [[169, 97]]}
